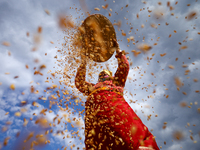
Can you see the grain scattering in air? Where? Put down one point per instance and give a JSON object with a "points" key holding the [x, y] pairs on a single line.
{"points": [[144, 47], [191, 15], [5, 43], [178, 135], [171, 66], [47, 11], [178, 81], [97, 9]]}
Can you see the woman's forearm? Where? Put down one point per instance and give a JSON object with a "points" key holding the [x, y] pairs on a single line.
{"points": [[122, 70], [80, 80], [80, 76]]}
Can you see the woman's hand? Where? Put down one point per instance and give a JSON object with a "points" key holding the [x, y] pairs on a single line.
{"points": [[83, 59], [116, 44], [118, 51]]}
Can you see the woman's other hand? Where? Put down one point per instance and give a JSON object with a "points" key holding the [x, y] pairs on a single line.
{"points": [[116, 44], [83, 59]]}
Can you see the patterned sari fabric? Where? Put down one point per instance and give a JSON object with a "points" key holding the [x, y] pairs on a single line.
{"points": [[110, 123]]}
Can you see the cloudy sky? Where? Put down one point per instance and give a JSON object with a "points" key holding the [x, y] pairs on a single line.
{"points": [[33, 86]]}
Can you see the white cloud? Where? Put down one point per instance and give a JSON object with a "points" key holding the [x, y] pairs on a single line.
{"points": [[3, 116]]}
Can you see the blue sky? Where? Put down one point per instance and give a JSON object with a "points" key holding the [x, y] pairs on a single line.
{"points": [[150, 89]]}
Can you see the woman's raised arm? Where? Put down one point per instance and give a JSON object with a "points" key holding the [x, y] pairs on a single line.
{"points": [[123, 68], [83, 86]]}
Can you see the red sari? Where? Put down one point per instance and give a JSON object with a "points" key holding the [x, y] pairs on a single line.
{"points": [[110, 123]]}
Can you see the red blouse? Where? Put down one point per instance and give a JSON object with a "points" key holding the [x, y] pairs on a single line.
{"points": [[105, 99]]}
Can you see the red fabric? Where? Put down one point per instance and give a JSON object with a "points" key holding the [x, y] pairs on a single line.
{"points": [[109, 120]]}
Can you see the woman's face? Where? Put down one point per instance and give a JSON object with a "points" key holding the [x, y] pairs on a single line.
{"points": [[103, 75]]}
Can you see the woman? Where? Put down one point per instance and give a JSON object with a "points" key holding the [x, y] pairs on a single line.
{"points": [[110, 123]]}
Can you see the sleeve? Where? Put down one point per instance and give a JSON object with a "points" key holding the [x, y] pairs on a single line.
{"points": [[83, 86], [151, 142], [122, 70]]}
